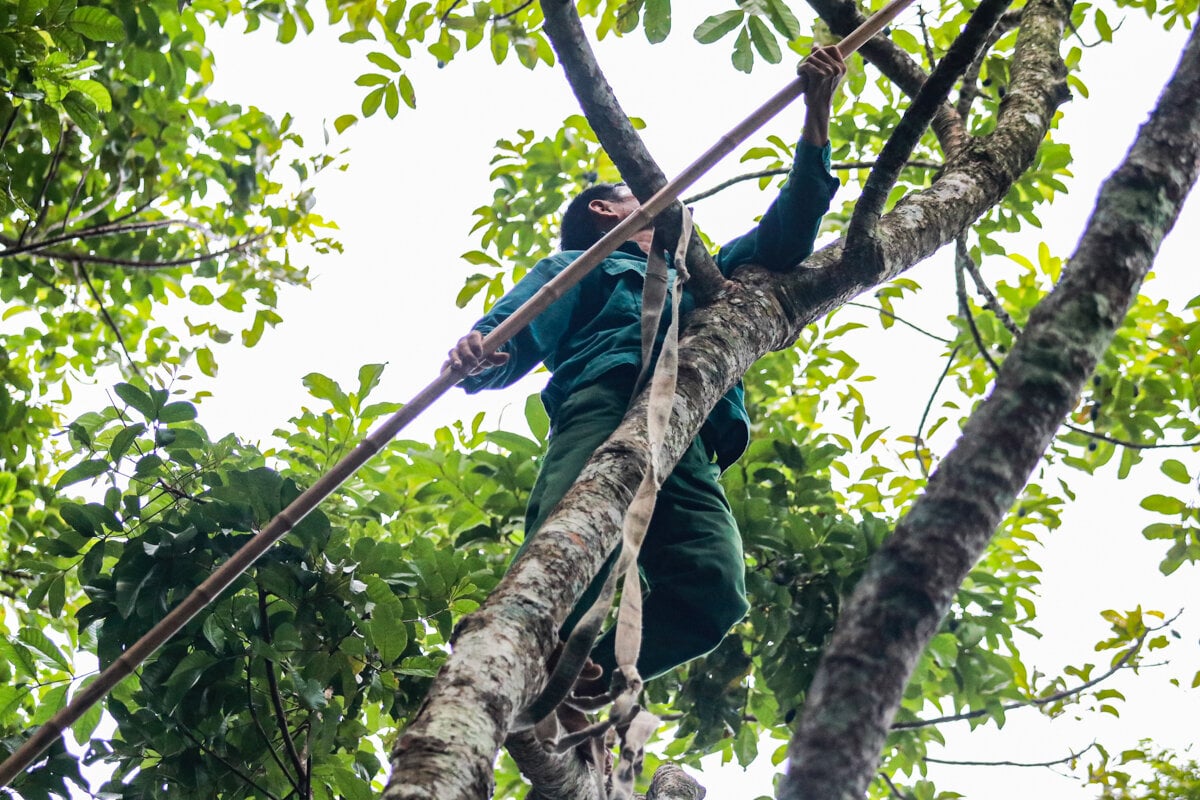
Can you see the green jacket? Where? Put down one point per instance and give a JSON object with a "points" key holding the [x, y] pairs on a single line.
{"points": [[595, 327]]}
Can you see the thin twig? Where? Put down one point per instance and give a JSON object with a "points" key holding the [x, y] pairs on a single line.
{"points": [[964, 311], [514, 12], [1055, 763], [963, 262], [263, 731], [135, 264], [87, 173], [96, 231], [901, 320], [963, 258], [1032, 701], [918, 441], [446, 15], [108, 320], [225, 762], [925, 36], [768, 173], [40, 204], [276, 699], [8, 126], [1125, 442], [895, 790]]}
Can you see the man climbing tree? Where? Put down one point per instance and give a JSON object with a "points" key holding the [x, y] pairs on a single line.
{"points": [[590, 340]]}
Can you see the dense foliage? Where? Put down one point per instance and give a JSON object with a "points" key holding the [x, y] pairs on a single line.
{"points": [[127, 189]]}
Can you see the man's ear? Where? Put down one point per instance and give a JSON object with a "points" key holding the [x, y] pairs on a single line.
{"points": [[601, 209]]}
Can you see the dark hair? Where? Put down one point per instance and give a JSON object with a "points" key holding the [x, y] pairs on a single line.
{"points": [[579, 231]]}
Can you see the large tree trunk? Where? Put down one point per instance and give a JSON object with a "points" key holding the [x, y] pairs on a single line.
{"points": [[500, 651], [908, 586]]}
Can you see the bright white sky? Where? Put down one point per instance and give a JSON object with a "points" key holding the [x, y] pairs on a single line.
{"points": [[404, 209]]}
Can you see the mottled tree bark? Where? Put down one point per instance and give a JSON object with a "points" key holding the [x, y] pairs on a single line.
{"points": [[500, 651], [909, 584]]}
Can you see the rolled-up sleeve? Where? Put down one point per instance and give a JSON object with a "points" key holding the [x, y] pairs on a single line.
{"points": [[785, 235], [531, 346]]}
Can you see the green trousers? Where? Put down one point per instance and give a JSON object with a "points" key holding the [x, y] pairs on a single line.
{"points": [[691, 560]]}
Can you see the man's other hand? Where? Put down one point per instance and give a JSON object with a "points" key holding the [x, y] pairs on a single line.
{"points": [[466, 357], [823, 69]]}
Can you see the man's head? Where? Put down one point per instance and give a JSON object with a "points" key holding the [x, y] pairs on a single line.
{"points": [[594, 212]]}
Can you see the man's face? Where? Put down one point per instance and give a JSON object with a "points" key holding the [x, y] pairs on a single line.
{"points": [[609, 213], [624, 203]]}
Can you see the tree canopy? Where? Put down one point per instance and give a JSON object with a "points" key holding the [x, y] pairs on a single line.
{"points": [[146, 222]]}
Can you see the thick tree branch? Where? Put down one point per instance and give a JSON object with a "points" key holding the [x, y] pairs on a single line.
{"points": [[670, 782], [555, 776], [908, 585], [932, 95], [616, 134], [842, 16], [500, 651]]}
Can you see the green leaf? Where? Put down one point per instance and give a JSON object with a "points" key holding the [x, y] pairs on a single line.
{"points": [[77, 517], [404, 85], [388, 629], [343, 122], [8, 487], [764, 40], [95, 92], [122, 441], [368, 379], [944, 649], [323, 387], [783, 19], [136, 399], [383, 61], [372, 101], [19, 656], [177, 412], [42, 644], [657, 20], [535, 417], [206, 362], [391, 101], [743, 56], [1162, 504], [82, 471], [716, 26], [96, 23], [1176, 471]]}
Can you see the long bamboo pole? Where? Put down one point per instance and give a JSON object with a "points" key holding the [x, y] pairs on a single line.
{"points": [[277, 528]]}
